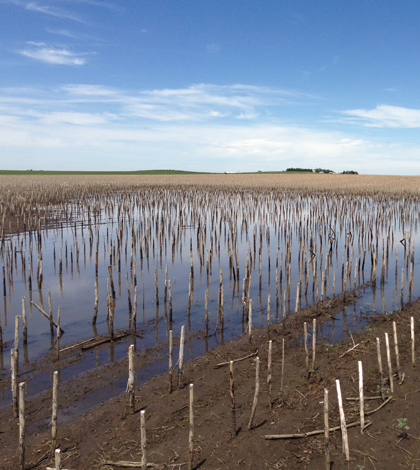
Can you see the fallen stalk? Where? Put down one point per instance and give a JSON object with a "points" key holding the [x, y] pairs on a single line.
{"points": [[366, 398], [321, 431], [104, 340], [351, 349], [368, 413], [312, 433], [222, 364], [83, 343], [124, 463]]}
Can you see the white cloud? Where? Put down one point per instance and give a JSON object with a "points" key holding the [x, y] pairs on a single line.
{"points": [[52, 55], [198, 127], [385, 116], [211, 147]]}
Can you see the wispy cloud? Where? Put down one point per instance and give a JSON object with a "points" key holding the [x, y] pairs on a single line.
{"points": [[52, 54], [203, 102], [52, 11], [79, 119], [66, 33], [46, 9], [195, 103], [212, 48], [385, 116], [94, 91], [108, 5]]}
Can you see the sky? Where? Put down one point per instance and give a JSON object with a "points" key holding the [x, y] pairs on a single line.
{"points": [[210, 85]]}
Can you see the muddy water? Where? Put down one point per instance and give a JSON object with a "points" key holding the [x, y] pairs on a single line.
{"points": [[278, 239]]}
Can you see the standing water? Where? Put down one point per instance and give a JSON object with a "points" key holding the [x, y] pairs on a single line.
{"points": [[149, 260]]}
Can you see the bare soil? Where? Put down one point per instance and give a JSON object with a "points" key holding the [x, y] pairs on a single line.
{"points": [[110, 433]]}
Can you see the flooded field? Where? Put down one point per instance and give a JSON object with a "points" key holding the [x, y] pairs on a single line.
{"points": [[128, 263]]}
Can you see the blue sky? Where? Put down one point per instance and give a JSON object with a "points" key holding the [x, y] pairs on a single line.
{"points": [[215, 85]]}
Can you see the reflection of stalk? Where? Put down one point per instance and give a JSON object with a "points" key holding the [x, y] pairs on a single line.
{"points": [[95, 310], [58, 333], [112, 282], [1, 344], [16, 346], [222, 321], [130, 308], [402, 287], [24, 324], [135, 310], [170, 303], [250, 320], [206, 301], [165, 291], [156, 287], [111, 317]]}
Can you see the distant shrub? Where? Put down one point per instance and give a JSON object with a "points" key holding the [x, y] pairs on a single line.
{"points": [[350, 172]]}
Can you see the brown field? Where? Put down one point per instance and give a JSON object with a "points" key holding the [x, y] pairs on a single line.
{"points": [[317, 182]]}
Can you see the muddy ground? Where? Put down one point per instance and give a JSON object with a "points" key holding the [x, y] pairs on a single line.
{"points": [[110, 433]]}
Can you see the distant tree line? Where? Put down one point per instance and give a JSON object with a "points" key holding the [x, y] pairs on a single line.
{"points": [[300, 169], [320, 170]]}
